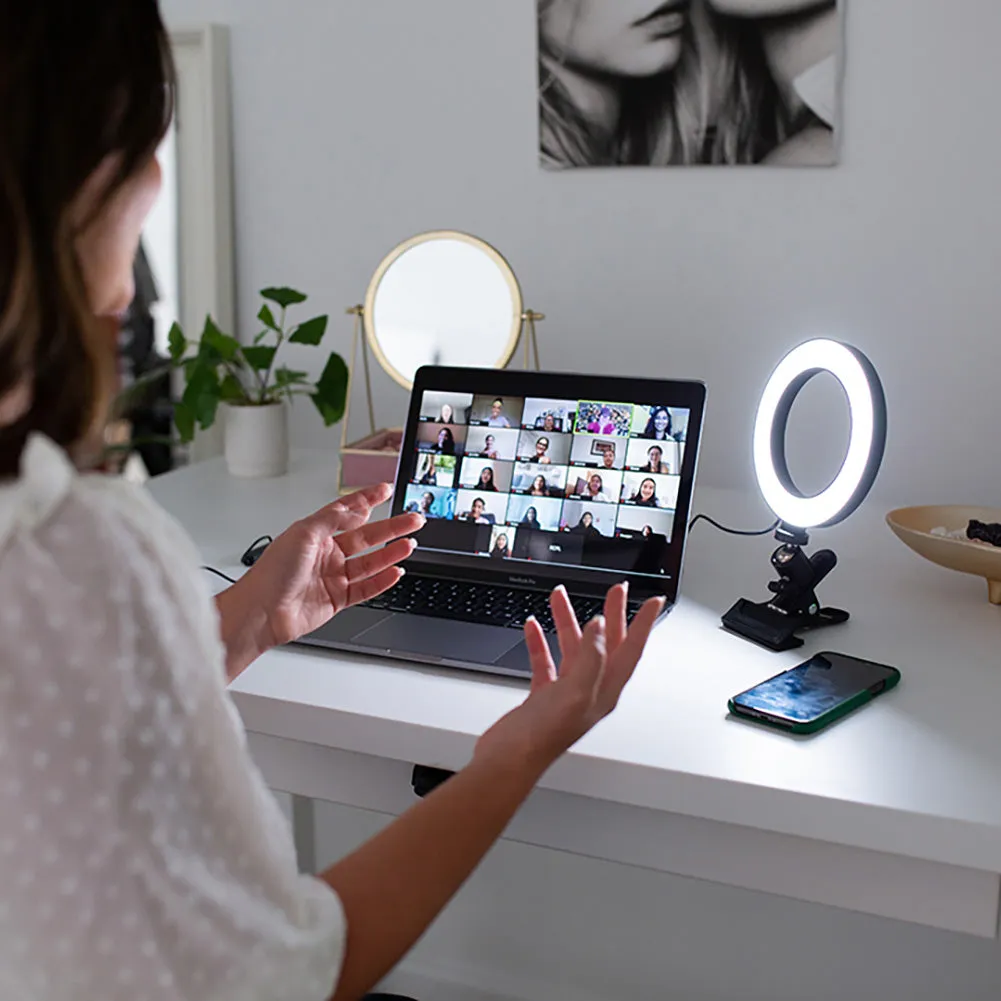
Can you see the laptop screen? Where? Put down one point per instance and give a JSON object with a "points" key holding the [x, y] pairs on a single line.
{"points": [[584, 482]]}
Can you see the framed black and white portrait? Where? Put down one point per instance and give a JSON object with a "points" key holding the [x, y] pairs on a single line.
{"points": [[689, 82]]}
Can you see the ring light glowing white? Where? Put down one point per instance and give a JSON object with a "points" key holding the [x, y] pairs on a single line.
{"points": [[867, 409]]}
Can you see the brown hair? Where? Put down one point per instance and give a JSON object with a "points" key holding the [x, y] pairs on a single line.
{"points": [[78, 81]]}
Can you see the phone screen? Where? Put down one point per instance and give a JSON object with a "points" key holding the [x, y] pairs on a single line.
{"points": [[809, 691]]}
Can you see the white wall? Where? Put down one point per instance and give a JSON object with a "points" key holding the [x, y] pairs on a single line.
{"points": [[360, 122]]}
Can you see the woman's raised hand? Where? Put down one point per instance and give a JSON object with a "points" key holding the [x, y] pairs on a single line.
{"points": [[595, 665]]}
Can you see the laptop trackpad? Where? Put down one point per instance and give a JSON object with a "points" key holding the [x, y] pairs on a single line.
{"points": [[441, 639]]}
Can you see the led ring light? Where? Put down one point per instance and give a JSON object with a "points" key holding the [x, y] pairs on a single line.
{"points": [[867, 409]]}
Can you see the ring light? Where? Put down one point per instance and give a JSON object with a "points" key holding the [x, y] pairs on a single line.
{"points": [[867, 411], [794, 605]]}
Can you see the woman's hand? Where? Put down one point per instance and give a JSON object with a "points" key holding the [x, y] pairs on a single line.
{"points": [[316, 568], [595, 666]]}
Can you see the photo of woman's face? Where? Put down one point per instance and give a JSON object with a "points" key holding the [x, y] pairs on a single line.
{"points": [[625, 38]]}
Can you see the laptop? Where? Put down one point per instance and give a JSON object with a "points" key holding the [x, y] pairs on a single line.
{"points": [[529, 480]]}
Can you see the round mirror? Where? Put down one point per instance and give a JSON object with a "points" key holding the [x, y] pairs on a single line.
{"points": [[442, 298]]}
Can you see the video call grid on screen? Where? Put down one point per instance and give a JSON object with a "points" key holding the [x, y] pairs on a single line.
{"points": [[540, 466]]}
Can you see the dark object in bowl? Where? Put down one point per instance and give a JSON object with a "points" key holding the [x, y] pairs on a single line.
{"points": [[980, 531]]}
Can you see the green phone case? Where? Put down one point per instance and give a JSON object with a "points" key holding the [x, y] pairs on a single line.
{"points": [[821, 721]]}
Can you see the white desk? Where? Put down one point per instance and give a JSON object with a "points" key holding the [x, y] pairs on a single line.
{"points": [[895, 811]]}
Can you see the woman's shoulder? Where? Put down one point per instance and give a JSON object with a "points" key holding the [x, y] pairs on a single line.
{"points": [[91, 520]]}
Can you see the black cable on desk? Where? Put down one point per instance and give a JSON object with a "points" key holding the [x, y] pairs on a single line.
{"points": [[732, 531]]}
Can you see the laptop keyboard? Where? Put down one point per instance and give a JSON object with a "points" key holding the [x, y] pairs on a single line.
{"points": [[488, 604]]}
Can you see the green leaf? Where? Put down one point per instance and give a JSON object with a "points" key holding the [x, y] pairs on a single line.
{"points": [[178, 343], [224, 345], [284, 297], [231, 390], [267, 317], [184, 418], [259, 358], [288, 377], [310, 332], [201, 395], [331, 390]]}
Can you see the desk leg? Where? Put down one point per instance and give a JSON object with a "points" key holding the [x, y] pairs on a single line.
{"points": [[304, 833]]}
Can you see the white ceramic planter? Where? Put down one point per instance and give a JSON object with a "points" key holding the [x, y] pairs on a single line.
{"points": [[257, 440]]}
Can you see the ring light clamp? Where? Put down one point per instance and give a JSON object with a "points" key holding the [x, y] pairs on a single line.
{"points": [[795, 606]]}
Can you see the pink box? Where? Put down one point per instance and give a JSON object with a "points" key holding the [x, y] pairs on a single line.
{"points": [[371, 460]]}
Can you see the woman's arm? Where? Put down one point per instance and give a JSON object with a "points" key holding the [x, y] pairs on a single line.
{"points": [[393, 886]]}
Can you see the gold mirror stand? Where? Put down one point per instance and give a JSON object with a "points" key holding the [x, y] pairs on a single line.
{"points": [[378, 450]]}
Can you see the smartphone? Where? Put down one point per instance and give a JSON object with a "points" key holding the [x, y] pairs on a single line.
{"points": [[813, 695]]}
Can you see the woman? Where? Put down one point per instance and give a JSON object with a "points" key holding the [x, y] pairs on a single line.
{"points": [[486, 481], [540, 488], [594, 490], [585, 526], [659, 427], [541, 455], [531, 519], [445, 415], [646, 496], [158, 864], [489, 448], [427, 505], [619, 83], [654, 462], [500, 550], [446, 442], [782, 54], [549, 423]]}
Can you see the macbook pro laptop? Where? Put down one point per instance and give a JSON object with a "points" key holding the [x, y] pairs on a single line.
{"points": [[529, 480]]}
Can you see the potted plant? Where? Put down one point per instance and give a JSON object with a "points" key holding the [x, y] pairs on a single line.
{"points": [[253, 391]]}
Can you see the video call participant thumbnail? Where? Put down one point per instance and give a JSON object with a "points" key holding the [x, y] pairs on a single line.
{"points": [[548, 415], [447, 439], [602, 487], [544, 448], [486, 474], [661, 458], [539, 513], [638, 522], [538, 480], [660, 423], [492, 443], [481, 507], [434, 470], [502, 542], [446, 408], [614, 419], [650, 491], [598, 452], [497, 411], [432, 502], [588, 519]]}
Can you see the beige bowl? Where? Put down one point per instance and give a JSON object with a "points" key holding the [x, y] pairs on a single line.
{"points": [[913, 526]]}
